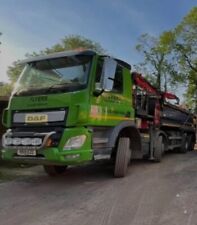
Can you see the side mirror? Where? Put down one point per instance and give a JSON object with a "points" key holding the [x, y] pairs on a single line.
{"points": [[107, 76], [108, 73]]}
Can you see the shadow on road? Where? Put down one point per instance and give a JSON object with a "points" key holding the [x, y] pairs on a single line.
{"points": [[100, 171]]}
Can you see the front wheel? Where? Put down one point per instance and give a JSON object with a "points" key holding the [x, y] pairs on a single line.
{"points": [[53, 171], [123, 156]]}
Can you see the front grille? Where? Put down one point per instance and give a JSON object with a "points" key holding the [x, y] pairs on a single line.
{"points": [[55, 117]]}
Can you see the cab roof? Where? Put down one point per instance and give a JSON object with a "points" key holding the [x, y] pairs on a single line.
{"points": [[71, 53], [58, 55]]}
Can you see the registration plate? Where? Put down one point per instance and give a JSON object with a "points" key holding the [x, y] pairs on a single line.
{"points": [[36, 118], [26, 152]]}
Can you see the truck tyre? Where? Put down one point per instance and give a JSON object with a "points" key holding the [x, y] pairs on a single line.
{"points": [[191, 143], [158, 149], [123, 156], [53, 171], [184, 144]]}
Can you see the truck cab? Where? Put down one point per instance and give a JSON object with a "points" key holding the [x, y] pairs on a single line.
{"points": [[69, 108]]}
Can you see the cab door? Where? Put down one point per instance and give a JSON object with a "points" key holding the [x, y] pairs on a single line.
{"points": [[109, 108]]}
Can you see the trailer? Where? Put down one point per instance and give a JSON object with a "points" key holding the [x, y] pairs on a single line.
{"points": [[70, 108], [166, 126]]}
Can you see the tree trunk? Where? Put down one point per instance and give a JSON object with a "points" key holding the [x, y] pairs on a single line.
{"points": [[159, 81]]}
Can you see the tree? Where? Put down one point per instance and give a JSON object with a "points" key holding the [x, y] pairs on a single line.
{"points": [[186, 48], [14, 71], [69, 42], [157, 63], [5, 89], [182, 45]]}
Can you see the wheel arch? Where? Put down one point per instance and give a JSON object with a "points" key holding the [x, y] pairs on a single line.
{"points": [[126, 129]]}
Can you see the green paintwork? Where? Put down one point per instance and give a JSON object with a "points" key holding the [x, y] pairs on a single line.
{"points": [[85, 110]]}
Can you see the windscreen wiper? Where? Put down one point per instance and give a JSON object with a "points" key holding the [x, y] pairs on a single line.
{"points": [[50, 64]]}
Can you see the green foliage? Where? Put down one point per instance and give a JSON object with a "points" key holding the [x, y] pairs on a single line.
{"points": [[157, 64], [186, 42], [14, 71], [182, 45], [5, 89], [171, 59], [69, 42]]}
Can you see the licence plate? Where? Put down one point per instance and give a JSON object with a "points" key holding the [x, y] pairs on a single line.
{"points": [[36, 118], [26, 152]]}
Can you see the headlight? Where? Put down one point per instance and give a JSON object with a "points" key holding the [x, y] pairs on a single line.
{"points": [[75, 142]]}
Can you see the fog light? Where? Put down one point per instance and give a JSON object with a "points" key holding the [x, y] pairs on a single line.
{"points": [[17, 141], [7, 141], [36, 141], [26, 141], [75, 142], [74, 156]]}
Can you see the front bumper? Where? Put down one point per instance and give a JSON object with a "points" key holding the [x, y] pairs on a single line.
{"points": [[57, 155]]}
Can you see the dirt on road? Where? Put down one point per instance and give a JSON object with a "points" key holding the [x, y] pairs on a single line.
{"points": [[152, 194]]}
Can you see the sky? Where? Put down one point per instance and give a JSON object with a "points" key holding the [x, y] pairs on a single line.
{"points": [[33, 25]]}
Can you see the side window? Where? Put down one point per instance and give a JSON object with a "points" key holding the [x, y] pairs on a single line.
{"points": [[118, 80]]}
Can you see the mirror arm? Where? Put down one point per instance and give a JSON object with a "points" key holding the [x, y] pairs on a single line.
{"points": [[97, 93]]}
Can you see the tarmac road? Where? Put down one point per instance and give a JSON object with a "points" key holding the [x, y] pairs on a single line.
{"points": [[152, 194]]}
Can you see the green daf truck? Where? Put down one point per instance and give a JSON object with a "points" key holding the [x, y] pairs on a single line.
{"points": [[72, 107]]}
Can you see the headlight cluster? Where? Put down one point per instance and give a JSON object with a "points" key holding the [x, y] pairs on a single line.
{"points": [[22, 141], [75, 142]]}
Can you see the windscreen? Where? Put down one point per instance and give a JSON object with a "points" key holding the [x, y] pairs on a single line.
{"points": [[54, 75]]}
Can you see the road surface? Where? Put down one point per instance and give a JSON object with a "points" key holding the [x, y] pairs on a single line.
{"points": [[152, 194]]}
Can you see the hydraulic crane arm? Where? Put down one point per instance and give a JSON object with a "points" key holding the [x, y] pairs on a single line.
{"points": [[141, 82]]}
